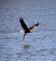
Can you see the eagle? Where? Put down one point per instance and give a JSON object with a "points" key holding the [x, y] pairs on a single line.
{"points": [[26, 28]]}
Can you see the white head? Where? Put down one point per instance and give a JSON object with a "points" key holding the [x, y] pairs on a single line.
{"points": [[21, 31]]}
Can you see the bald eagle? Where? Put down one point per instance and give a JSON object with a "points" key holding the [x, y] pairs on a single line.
{"points": [[25, 27]]}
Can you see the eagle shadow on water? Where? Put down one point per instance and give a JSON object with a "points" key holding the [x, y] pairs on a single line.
{"points": [[25, 27]]}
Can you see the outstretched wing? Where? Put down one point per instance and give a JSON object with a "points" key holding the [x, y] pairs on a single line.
{"points": [[34, 26], [24, 26]]}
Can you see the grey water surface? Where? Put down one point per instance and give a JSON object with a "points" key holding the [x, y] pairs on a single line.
{"points": [[39, 45]]}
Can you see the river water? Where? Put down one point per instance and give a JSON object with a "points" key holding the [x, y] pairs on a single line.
{"points": [[39, 45]]}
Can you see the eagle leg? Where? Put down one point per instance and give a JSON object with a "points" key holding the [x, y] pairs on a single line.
{"points": [[24, 36]]}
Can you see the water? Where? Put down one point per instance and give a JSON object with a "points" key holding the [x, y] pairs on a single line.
{"points": [[39, 45]]}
